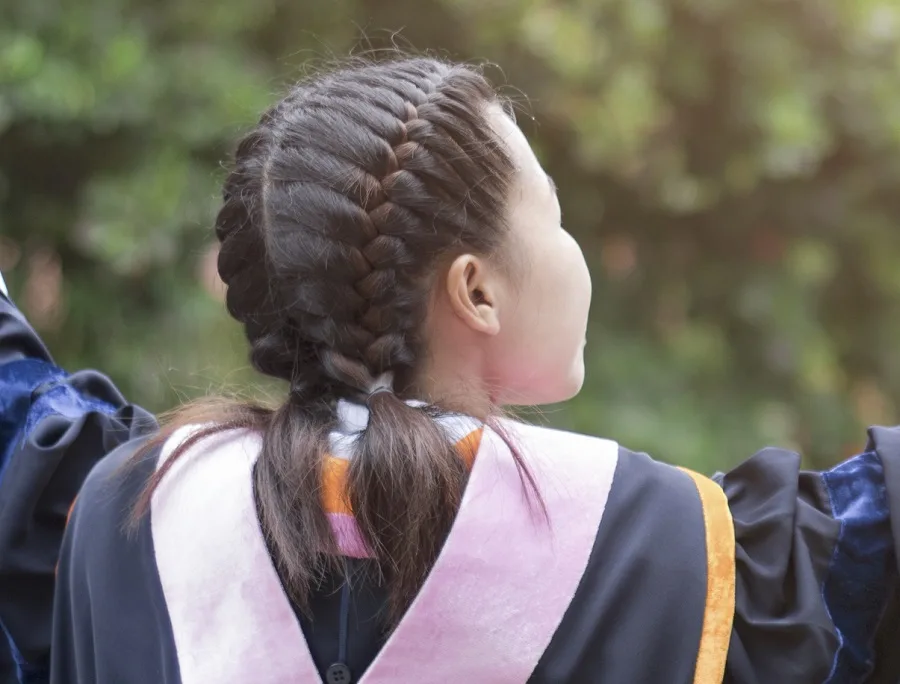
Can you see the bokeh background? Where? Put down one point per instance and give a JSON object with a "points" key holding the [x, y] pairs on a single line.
{"points": [[730, 167]]}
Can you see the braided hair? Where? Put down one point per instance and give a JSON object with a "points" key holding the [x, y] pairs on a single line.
{"points": [[341, 205]]}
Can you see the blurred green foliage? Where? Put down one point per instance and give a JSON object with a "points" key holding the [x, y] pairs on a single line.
{"points": [[730, 168]]}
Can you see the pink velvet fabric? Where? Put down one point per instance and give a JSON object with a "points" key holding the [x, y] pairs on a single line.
{"points": [[231, 620], [349, 539], [485, 614]]}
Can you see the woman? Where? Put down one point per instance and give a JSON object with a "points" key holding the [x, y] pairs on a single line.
{"points": [[394, 252]]}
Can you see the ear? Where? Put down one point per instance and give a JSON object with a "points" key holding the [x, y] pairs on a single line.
{"points": [[474, 292]]}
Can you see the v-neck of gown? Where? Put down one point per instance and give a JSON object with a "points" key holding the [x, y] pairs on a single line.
{"points": [[489, 606]]}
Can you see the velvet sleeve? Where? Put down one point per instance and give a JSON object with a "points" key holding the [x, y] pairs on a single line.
{"points": [[54, 426], [816, 571]]}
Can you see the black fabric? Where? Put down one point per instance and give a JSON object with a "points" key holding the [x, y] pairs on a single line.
{"points": [[638, 612], [366, 633], [885, 441], [7, 665], [17, 338], [886, 668], [785, 539], [110, 624]]}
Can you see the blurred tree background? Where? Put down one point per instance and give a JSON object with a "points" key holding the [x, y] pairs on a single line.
{"points": [[730, 167]]}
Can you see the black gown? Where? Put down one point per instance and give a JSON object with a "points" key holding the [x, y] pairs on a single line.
{"points": [[816, 573]]}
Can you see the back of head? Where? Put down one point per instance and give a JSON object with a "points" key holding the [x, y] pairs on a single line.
{"points": [[341, 204]]}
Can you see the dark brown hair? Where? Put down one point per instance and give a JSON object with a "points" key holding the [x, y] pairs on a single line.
{"points": [[341, 205]]}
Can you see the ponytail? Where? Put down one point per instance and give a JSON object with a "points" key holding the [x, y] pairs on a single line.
{"points": [[405, 485]]}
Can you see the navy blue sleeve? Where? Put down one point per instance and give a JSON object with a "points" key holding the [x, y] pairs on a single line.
{"points": [[54, 426], [816, 571]]}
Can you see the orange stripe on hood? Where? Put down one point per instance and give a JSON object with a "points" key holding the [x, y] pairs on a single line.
{"points": [[334, 473]]}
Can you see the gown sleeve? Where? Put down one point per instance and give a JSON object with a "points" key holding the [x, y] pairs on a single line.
{"points": [[54, 426], [816, 572]]}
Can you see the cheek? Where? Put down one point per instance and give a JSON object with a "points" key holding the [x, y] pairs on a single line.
{"points": [[567, 298], [580, 287], [539, 357]]}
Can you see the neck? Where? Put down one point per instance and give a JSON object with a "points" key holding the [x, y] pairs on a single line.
{"points": [[455, 388]]}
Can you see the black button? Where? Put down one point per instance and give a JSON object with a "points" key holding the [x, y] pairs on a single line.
{"points": [[338, 673]]}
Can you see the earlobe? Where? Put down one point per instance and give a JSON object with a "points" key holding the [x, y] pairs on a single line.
{"points": [[473, 294]]}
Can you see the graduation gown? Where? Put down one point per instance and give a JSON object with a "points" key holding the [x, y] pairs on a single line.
{"points": [[642, 572]]}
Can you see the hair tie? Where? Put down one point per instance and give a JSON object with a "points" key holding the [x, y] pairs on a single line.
{"points": [[383, 383]]}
